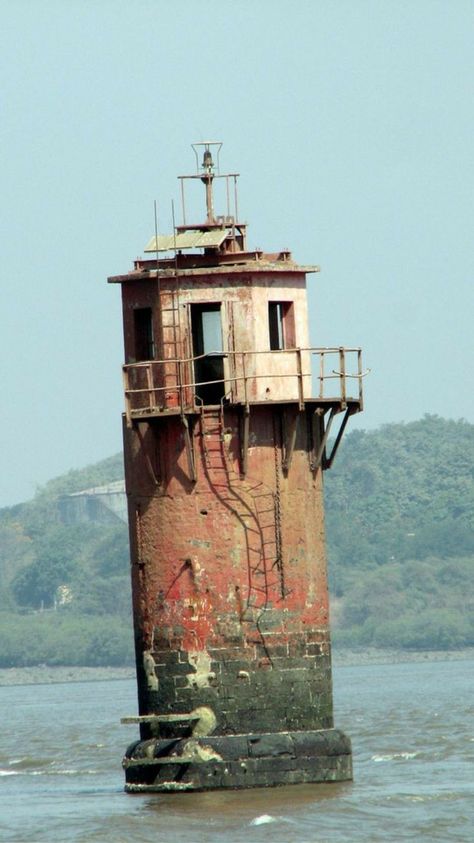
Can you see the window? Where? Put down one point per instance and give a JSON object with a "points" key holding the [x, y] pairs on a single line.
{"points": [[281, 325], [143, 329]]}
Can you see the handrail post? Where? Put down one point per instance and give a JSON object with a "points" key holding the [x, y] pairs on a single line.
{"points": [[180, 385], [321, 374], [149, 383], [126, 392], [244, 375], [154, 380], [300, 378], [342, 374], [359, 372]]}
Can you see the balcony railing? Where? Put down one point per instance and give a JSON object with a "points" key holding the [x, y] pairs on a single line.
{"points": [[155, 387]]}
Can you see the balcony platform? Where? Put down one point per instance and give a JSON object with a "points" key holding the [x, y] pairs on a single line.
{"points": [[159, 389], [335, 403], [319, 412]]}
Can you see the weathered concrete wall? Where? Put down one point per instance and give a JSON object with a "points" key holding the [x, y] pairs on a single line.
{"points": [[237, 761], [229, 575], [227, 533], [244, 298]]}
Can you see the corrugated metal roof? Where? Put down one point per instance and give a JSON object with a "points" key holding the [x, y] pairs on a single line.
{"points": [[187, 240]]}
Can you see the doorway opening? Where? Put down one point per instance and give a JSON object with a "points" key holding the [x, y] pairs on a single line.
{"points": [[206, 329], [143, 331]]}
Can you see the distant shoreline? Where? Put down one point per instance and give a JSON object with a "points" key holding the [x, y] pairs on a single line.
{"points": [[345, 657], [47, 675]]}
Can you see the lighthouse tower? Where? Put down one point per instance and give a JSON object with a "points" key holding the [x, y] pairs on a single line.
{"points": [[228, 410]]}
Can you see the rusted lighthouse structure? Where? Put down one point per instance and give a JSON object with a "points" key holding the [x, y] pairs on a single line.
{"points": [[228, 413]]}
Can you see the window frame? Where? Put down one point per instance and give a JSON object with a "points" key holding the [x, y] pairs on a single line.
{"points": [[281, 325]]}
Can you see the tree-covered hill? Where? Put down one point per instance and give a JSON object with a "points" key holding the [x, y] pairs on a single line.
{"points": [[399, 521], [64, 588]]}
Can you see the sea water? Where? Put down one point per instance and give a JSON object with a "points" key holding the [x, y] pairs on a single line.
{"points": [[412, 729]]}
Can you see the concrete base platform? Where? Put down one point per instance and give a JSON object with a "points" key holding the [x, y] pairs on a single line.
{"points": [[237, 761]]}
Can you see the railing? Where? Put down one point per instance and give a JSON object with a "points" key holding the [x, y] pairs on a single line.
{"points": [[158, 386]]}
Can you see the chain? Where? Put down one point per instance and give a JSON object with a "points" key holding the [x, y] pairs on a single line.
{"points": [[277, 503], [138, 531]]}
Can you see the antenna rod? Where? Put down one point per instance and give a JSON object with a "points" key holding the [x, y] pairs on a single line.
{"points": [[207, 178], [176, 327], [182, 202], [174, 243], [156, 237], [209, 199]]}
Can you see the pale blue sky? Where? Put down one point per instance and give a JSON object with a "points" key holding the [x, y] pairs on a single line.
{"points": [[351, 123]]}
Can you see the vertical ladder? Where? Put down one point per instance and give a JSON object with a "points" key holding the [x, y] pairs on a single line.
{"points": [[268, 570], [212, 435], [170, 338], [254, 505]]}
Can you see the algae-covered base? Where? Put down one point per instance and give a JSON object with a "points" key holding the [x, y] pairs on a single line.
{"points": [[237, 761]]}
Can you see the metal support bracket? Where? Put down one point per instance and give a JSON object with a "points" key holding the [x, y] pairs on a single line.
{"points": [[148, 461], [318, 456], [189, 449], [330, 459], [319, 442], [289, 422], [244, 439]]}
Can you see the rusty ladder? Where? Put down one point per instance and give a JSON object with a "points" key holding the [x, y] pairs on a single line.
{"points": [[170, 338], [268, 564], [258, 515], [212, 433]]}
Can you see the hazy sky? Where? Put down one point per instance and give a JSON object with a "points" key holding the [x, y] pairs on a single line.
{"points": [[351, 123]]}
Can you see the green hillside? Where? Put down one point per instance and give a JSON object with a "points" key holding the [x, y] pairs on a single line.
{"points": [[64, 588], [400, 516], [399, 521]]}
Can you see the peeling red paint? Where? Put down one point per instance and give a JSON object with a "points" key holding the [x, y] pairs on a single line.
{"points": [[208, 549]]}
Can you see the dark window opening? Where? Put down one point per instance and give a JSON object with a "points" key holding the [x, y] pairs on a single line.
{"points": [[281, 325], [143, 327], [207, 346]]}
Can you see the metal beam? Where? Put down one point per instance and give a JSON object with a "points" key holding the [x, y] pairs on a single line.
{"points": [[244, 439], [289, 438], [329, 460], [318, 455], [189, 449]]}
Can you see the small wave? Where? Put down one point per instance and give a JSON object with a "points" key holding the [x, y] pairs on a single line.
{"points": [[395, 756], [71, 772], [26, 762], [263, 819], [23, 772], [438, 796]]}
